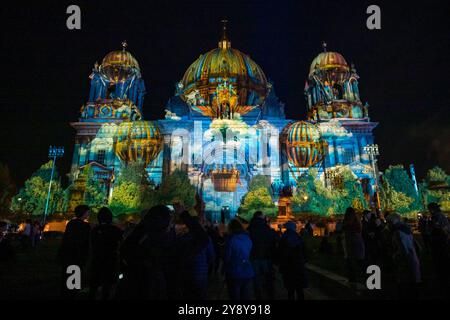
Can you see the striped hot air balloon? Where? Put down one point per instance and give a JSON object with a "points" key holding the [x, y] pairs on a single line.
{"points": [[138, 141], [304, 145]]}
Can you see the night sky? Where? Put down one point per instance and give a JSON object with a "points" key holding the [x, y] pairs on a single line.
{"points": [[404, 67]]}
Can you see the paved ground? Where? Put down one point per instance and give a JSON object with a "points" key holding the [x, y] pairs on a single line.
{"points": [[218, 290]]}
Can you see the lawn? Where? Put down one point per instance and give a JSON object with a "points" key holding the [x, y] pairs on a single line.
{"points": [[33, 274]]}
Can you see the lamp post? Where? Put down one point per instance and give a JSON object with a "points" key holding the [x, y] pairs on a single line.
{"points": [[53, 153], [372, 151]]}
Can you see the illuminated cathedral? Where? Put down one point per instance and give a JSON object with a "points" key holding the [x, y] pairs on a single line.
{"points": [[225, 125]]}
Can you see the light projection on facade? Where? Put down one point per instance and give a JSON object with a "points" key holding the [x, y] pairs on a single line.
{"points": [[225, 125], [138, 141]]}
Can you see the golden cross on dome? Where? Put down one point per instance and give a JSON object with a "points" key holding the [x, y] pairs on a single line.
{"points": [[324, 46], [224, 29], [224, 43], [124, 45]]}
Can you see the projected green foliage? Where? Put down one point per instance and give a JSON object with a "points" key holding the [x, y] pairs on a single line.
{"points": [[260, 181], [95, 195], [312, 196], [177, 186], [132, 192], [31, 198], [258, 198]]}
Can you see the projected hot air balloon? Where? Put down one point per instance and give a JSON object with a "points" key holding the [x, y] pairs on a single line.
{"points": [[304, 145], [224, 179], [138, 141]]}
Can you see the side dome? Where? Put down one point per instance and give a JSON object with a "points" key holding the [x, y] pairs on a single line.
{"points": [[138, 141], [224, 64], [304, 146], [329, 60], [119, 65]]}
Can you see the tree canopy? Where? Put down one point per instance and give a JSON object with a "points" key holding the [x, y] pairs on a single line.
{"points": [[436, 188], [177, 186], [132, 191], [312, 196], [32, 196], [398, 191]]}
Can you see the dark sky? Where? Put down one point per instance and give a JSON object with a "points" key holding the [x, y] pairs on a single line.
{"points": [[404, 67]]}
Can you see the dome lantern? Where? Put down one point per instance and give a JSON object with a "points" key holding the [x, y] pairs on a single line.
{"points": [[224, 43]]}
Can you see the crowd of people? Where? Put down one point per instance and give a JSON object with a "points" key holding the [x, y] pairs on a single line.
{"points": [[171, 254], [386, 240]]}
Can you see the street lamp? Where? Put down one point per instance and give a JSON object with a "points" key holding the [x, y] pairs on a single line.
{"points": [[53, 153], [372, 151]]}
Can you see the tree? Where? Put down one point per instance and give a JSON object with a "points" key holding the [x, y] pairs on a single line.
{"points": [[132, 191], [95, 194], [436, 188], [394, 200], [177, 186], [309, 196], [397, 178], [7, 188], [257, 199], [436, 175], [312, 196], [32, 197], [259, 181]]}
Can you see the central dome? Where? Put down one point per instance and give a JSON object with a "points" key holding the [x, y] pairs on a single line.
{"points": [[225, 64]]}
